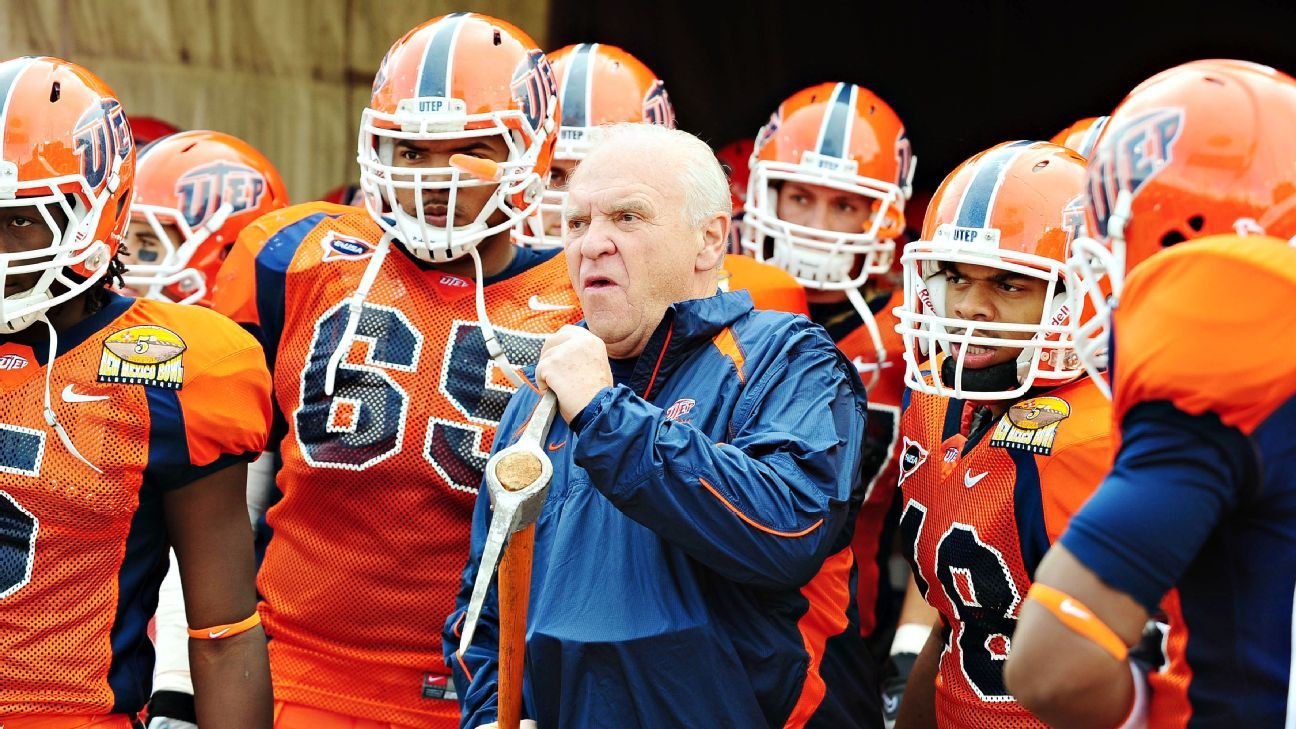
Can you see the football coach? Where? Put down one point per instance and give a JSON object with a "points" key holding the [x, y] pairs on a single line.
{"points": [[692, 563]]}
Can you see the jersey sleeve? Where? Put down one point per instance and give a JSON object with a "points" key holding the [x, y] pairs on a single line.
{"points": [[1072, 476], [1208, 326], [227, 407], [1175, 475]]}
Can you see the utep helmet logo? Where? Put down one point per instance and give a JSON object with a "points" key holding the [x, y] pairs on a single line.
{"points": [[101, 133], [203, 189], [1129, 156], [1073, 219], [657, 108], [533, 87]]}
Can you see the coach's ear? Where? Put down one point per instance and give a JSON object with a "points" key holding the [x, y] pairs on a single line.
{"points": [[714, 241]]}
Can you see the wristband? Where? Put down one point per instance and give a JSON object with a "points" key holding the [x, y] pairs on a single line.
{"points": [[217, 632], [1079, 619]]}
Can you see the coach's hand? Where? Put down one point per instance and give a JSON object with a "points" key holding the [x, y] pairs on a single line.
{"points": [[574, 364]]}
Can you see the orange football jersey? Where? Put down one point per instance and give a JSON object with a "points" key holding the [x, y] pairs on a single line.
{"points": [[771, 287], [881, 453], [379, 477], [156, 396], [978, 517]]}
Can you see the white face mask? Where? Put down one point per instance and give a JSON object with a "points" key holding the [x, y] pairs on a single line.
{"points": [[1047, 356]]}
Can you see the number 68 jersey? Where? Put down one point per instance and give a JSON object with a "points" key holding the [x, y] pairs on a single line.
{"points": [[380, 475], [977, 518]]}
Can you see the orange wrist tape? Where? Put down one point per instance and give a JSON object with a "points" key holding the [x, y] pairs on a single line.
{"points": [[1079, 618], [217, 632]]}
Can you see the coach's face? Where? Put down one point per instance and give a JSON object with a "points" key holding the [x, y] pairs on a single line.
{"points": [[630, 253]]}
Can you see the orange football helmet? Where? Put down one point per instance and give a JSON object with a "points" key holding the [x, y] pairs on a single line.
{"points": [[736, 156], [1011, 207], [598, 84], [67, 147], [206, 186], [843, 137], [1201, 149], [1082, 135], [458, 76]]}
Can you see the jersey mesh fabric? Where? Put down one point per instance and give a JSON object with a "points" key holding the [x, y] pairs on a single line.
{"points": [[81, 553], [975, 523], [881, 452], [380, 479]]}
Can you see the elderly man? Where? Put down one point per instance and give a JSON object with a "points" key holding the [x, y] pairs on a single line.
{"points": [[692, 560]]}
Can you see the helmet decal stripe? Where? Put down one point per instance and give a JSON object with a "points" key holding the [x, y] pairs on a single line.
{"points": [[832, 136], [1091, 137], [576, 87], [434, 72], [9, 73], [978, 197]]}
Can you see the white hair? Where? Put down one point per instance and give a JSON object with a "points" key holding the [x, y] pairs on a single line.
{"points": [[701, 179]]}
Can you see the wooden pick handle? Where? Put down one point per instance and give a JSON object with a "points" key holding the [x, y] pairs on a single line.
{"points": [[514, 594]]}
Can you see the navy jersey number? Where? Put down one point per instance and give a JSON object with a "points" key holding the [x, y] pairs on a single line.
{"points": [[978, 584], [363, 423], [21, 451], [457, 448]]}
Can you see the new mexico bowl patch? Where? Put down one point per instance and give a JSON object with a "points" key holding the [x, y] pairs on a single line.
{"points": [[1031, 425], [143, 355]]}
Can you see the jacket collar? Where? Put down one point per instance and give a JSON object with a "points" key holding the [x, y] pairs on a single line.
{"points": [[686, 326]]}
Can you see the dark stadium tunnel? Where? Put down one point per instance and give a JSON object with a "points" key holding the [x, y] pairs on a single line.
{"points": [[963, 76]]}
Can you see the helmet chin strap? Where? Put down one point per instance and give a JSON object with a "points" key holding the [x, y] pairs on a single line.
{"points": [[51, 418], [866, 314], [994, 378]]}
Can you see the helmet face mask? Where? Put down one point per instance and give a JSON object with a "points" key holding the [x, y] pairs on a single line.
{"points": [[819, 258], [179, 244], [455, 78]]}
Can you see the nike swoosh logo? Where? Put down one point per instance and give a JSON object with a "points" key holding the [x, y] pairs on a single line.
{"points": [[861, 366], [969, 480], [1069, 607], [551, 446], [217, 633], [71, 395], [537, 305]]}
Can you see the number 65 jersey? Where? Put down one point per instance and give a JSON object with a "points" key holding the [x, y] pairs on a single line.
{"points": [[380, 473], [977, 518]]}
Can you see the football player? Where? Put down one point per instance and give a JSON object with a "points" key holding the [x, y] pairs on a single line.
{"points": [[393, 331], [1198, 160], [194, 192], [127, 427], [601, 84], [1003, 436], [830, 175]]}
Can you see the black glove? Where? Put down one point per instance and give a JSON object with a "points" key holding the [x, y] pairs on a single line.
{"points": [[895, 676]]}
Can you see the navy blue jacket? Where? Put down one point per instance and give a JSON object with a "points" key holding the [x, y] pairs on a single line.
{"points": [[692, 563]]}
